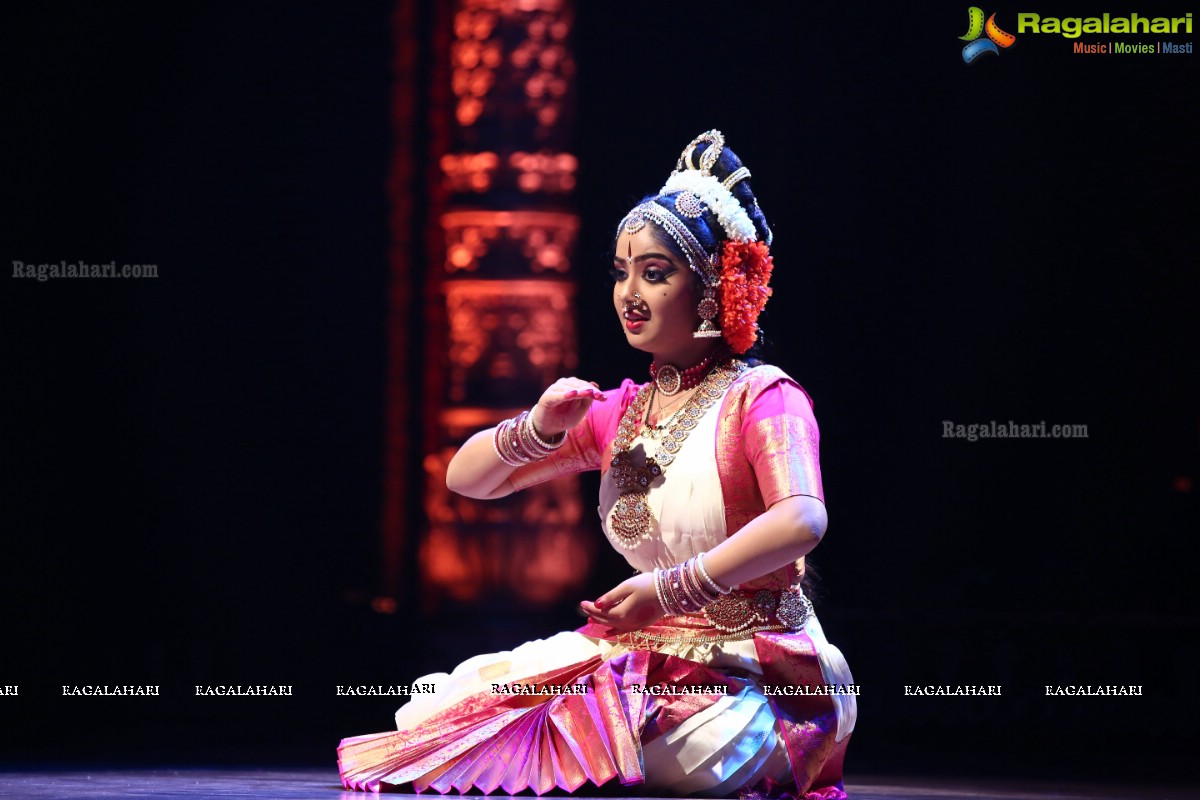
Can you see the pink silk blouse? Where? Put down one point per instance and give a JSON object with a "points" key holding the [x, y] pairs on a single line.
{"points": [[766, 449]]}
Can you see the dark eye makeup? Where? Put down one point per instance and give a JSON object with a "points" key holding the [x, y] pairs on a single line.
{"points": [[651, 273], [657, 274]]}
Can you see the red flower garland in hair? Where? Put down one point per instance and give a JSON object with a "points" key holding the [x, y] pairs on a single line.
{"points": [[745, 272]]}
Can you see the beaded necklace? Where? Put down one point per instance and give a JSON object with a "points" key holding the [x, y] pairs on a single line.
{"points": [[632, 520], [670, 379]]}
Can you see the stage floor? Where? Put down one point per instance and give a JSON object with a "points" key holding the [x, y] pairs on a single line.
{"points": [[322, 784]]}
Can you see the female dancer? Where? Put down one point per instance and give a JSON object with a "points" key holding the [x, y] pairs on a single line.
{"points": [[707, 672]]}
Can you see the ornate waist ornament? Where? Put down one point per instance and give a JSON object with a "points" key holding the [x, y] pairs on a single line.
{"points": [[763, 610], [733, 617]]}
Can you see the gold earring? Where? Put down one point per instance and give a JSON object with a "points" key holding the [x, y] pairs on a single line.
{"points": [[707, 309]]}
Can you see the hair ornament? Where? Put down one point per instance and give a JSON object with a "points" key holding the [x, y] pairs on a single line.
{"points": [[698, 259], [745, 272], [708, 159], [734, 178], [634, 222], [697, 180], [688, 205], [729, 212]]}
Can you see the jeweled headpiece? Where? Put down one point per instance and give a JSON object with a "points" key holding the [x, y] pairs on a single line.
{"points": [[698, 187], [735, 274]]}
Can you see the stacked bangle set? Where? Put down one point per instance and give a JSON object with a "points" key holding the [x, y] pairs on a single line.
{"points": [[686, 588], [517, 442]]}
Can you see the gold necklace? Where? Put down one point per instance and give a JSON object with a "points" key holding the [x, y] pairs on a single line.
{"points": [[655, 430], [664, 406], [632, 520]]}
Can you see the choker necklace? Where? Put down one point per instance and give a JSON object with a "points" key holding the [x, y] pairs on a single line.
{"points": [[670, 379]]}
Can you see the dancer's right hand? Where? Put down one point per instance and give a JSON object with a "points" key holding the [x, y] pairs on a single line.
{"points": [[564, 405]]}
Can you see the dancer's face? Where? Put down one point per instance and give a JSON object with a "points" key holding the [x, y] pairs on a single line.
{"points": [[655, 295]]}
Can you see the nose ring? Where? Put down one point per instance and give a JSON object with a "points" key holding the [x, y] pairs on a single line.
{"points": [[637, 296]]}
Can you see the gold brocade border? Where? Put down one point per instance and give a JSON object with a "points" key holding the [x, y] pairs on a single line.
{"points": [[640, 638]]}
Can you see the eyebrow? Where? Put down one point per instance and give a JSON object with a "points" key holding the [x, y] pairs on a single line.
{"points": [[644, 257]]}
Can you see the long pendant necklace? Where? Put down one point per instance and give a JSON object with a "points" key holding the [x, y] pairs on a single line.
{"points": [[632, 520]]}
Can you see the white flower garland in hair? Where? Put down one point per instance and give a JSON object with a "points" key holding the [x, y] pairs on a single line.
{"points": [[733, 218]]}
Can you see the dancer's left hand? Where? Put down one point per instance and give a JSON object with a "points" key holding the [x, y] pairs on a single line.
{"points": [[631, 605]]}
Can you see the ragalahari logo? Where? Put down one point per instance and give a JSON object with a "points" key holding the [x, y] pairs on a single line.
{"points": [[976, 27]]}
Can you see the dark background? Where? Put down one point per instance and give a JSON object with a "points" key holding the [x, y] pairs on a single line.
{"points": [[193, 463]]}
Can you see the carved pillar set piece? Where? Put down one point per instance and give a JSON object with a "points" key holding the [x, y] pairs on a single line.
{"points": [[509, 235]]}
